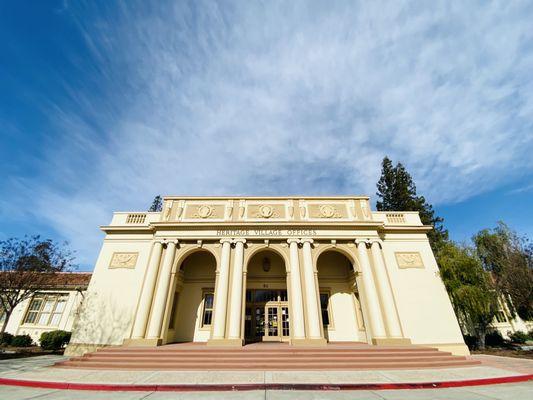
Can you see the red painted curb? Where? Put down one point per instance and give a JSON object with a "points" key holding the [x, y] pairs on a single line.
{"points": [[261, 386]]}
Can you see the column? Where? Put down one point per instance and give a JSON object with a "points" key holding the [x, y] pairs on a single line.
{"points": [[311, 292], [143, 311], [369, 290], [221, 292], [161, 294], [392, 322], [297, 308], [236, 291]]}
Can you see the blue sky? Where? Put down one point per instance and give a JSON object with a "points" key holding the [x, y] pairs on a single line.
{"points": [[105, 104]]}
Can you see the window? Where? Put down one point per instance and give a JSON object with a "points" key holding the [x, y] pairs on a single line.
{"points": [[324, 303], [208, 308], [46, 309]]}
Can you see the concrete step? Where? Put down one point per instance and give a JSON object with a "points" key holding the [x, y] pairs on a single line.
{"points": [[235, 359], [267, 357], [263, 365], [292, 350], [311, 353]]}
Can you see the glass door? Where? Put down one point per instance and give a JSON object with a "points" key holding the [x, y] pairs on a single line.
{"points": [[285, 332], [271, 323]]}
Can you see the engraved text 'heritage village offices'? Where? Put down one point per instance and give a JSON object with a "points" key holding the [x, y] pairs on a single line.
{"points": [[265, 232]]}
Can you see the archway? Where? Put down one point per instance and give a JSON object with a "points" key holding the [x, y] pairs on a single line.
{"points": [[266, 313], [341, 312], [191, 313]]}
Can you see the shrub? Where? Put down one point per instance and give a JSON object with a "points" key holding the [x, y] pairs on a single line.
{"points": [[518, 337], [6, 339], [470, 341], [54, 340], [21, 341], [494, 339]]}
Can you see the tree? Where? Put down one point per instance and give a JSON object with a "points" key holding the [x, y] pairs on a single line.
{"points": [[397, 192], [473, 296], [509, 258], [157, 204], [27, 266]]}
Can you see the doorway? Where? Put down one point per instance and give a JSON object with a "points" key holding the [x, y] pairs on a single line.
{"points": [[267, 316]]}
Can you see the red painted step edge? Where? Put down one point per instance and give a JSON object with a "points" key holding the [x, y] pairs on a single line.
{"points": [[262, 386]]}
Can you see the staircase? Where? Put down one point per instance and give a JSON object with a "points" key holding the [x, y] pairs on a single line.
{"points": [[266, 356]]}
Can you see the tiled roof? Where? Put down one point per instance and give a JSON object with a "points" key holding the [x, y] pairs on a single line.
{"points": [[71, 280]]}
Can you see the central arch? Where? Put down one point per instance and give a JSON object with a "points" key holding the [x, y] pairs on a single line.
{"points": [[266, 311]]}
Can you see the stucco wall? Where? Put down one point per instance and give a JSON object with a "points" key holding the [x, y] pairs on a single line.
{"points": [[107, 313], [425, 311]]}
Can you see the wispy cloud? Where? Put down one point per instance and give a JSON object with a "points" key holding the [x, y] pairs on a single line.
{"points": [[286, 98]]}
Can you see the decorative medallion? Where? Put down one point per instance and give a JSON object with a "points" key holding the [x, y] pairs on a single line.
{"points": [[266, 211], [123, 260], [328, 211], [409, 260], [205, 211]]}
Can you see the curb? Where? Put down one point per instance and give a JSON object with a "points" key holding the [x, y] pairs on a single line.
{"points": [[260, 386]]}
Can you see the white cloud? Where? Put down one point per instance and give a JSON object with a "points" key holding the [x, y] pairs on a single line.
{"points": [[288, 98]]}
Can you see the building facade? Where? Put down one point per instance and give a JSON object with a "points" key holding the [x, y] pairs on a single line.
{"points": [[54, 307], [234, 270]]}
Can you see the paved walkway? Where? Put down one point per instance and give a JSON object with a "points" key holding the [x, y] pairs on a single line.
{"points": [[517, 391], [36, 369]]}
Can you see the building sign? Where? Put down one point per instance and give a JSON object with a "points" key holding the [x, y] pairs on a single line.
{"points": [[245, 232]]}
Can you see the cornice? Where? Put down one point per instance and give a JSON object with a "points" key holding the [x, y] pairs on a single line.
{"points": [[295, 197], [405, 229], [127, 229]]}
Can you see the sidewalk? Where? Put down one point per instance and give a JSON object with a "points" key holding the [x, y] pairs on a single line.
{"points": [[35, 371]]}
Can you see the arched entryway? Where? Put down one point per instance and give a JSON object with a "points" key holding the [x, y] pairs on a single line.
{"points": [[341, 312], [191, 314], [266, 311]]}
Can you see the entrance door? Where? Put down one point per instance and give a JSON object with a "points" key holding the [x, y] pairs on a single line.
{"points": [[276, 322], [271, 323], [266, 316]]}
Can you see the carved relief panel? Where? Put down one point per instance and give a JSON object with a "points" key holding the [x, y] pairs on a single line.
{"points": [[327, 210], [206, 211], [123, 260], [409, 260], [265, 211]]}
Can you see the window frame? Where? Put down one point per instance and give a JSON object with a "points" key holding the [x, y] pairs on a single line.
{"points": [[45, 297], [330, 324], [206, 292]]}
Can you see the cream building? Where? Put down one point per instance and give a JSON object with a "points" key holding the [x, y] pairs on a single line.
{"points": [[234, 270], [55, 307]]}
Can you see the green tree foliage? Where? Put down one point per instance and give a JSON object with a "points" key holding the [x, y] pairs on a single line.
{"points": [[470, 288], [397, 192], [157, 204], [27, 266], [509, 258]]}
